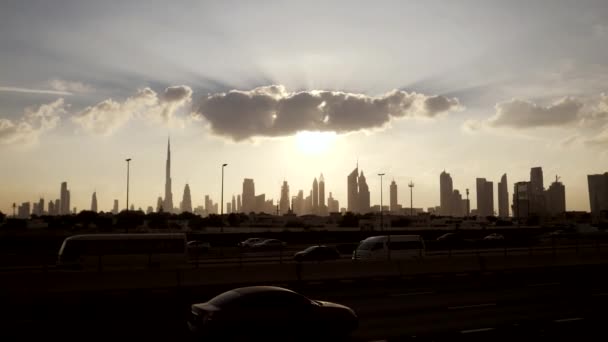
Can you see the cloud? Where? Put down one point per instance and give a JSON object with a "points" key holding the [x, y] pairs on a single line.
{"points": [[70, 86], [107, 116], [526, 114], [272, 111], [28, 128], [35, 91]]}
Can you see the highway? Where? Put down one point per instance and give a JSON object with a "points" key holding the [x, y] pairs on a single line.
{"points": [[517, 305]]}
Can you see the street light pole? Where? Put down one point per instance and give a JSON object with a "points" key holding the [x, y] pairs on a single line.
{"points": [[468, 204], [411, 185], [222, 198], [128, 160], [381, 218]]}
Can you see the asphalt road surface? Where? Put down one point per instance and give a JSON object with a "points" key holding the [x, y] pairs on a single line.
{"points": [[528, 306]]}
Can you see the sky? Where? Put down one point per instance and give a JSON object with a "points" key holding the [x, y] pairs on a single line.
{"points": [[287, 90]]}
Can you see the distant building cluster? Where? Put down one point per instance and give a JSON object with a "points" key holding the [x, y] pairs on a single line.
{"points": [[530, 198]]}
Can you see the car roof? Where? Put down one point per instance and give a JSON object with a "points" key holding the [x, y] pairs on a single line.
{"points": [[260, 289]]}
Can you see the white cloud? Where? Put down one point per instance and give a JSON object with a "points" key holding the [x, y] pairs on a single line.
{"points": [[272, 111], [28, 128], [70, 86], [109, 115], [35, 91]]}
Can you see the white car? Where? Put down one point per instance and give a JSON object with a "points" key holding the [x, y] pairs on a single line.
{"points": [[494, 237], [269, 244], [250, 242]]}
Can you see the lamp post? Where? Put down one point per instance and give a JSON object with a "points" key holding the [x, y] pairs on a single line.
{"points": [[468, 204], [381, 218], [128, 160], [411, 185], [222, 198]]}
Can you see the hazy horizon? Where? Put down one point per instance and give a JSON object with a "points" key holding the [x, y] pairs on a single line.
{"points": [[474, 88]]}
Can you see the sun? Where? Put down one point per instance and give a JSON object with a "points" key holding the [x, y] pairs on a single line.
{"points": [[315, 142]]}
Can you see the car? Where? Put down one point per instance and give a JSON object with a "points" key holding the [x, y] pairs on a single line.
{"points": [[317, 253], [269, 244], [494, 237], [450, 237], [269, 312], [196, 246], [250, 242]]}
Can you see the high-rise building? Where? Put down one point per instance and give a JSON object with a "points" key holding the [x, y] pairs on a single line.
{"points": [[298, 203], [598, 193], [315, 197], [521, 199], [168, 201], [364, 195], [65, 199], [457, 205], [228, 207], [284, 201], [537, 188], [94, 202], [485, 197], [503, 197], [322, 203], [556, 198], [248, 196], [234, 209], [150, 210], [333, 204], [393, 199], [160, 205], [259, 204], [24, 210], [353, 191], [51, 208], [186, 205], [239, 208], [57, 207], [307, 204], [446, 190]]}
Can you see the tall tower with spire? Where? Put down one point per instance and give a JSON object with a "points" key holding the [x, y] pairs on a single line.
{"points": [[94, 202], [168, 202]]}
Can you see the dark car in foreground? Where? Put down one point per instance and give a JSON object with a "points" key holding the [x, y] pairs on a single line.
{"points": [[268, 312], [317, 253]]}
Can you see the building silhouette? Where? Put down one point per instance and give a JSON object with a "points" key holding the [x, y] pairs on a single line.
{"points": [[24, 210], [228, 207], [521, 199], [353, 191], [233, 202], [393, 197], [115, 208], [65, 199], [333, 204], [485, 197], [160, 206], [239, 208], [598, 194], [284, 201], [51, 208], [555, 197], [458, 205], [503, 197], [249, 200], [94, 202], [57, 207], [186, 205], [150, 210], [315, 197], [40, 207], [364, 195], [322, 203], [446, 193], [168, 201], [537, 195]]}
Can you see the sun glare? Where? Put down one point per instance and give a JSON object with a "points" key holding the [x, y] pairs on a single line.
{"points": [[315, 142]]}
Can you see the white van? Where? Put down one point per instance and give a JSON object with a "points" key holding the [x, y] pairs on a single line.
{"points": [[400, 246]]}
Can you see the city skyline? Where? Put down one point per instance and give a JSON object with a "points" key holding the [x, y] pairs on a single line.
{"points": [[83, 88]]}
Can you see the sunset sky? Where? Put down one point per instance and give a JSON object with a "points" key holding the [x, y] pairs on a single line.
{"points": [[407, 88]]}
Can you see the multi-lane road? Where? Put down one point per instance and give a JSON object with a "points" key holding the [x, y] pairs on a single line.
{"points": [[519, 305]]}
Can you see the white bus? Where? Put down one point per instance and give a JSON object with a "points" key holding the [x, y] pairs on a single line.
{"points": [[400, 247], [123, 251]]}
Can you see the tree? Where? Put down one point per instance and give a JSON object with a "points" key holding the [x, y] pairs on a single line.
{"points": [[2, 216], [349, 220]]}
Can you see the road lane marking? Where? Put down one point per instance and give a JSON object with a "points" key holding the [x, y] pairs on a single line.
{"points": [[471, 306], [563, 320], [410, 294], [600, 294], [544, 284], [472, 331]]}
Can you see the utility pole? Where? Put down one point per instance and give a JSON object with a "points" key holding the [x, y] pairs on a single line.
{"points": [[128, 160], [468, 203], [222, 199]]}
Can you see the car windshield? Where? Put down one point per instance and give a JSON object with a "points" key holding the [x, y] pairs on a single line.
{"points": [[367, 244], [310, 249], [224, 299]]}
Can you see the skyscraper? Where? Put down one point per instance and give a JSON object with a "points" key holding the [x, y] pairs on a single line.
{"points": [[41, 207], [332, 204], [168, 202], [234, 209], [160, 206], [521, 199], [300, 205], [248, 196], [115, 208], [322, 203], [598, 193], [353, 191], [503, 197], [315, 197], [65, 199], [393, 195], [485, 197], [94, 202], [556, 198], [284, 201], [446, 189], [51, 208], [536, 196], [186, 200], [458, 205], [239, 208], [57, 207], [364, 196]]}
